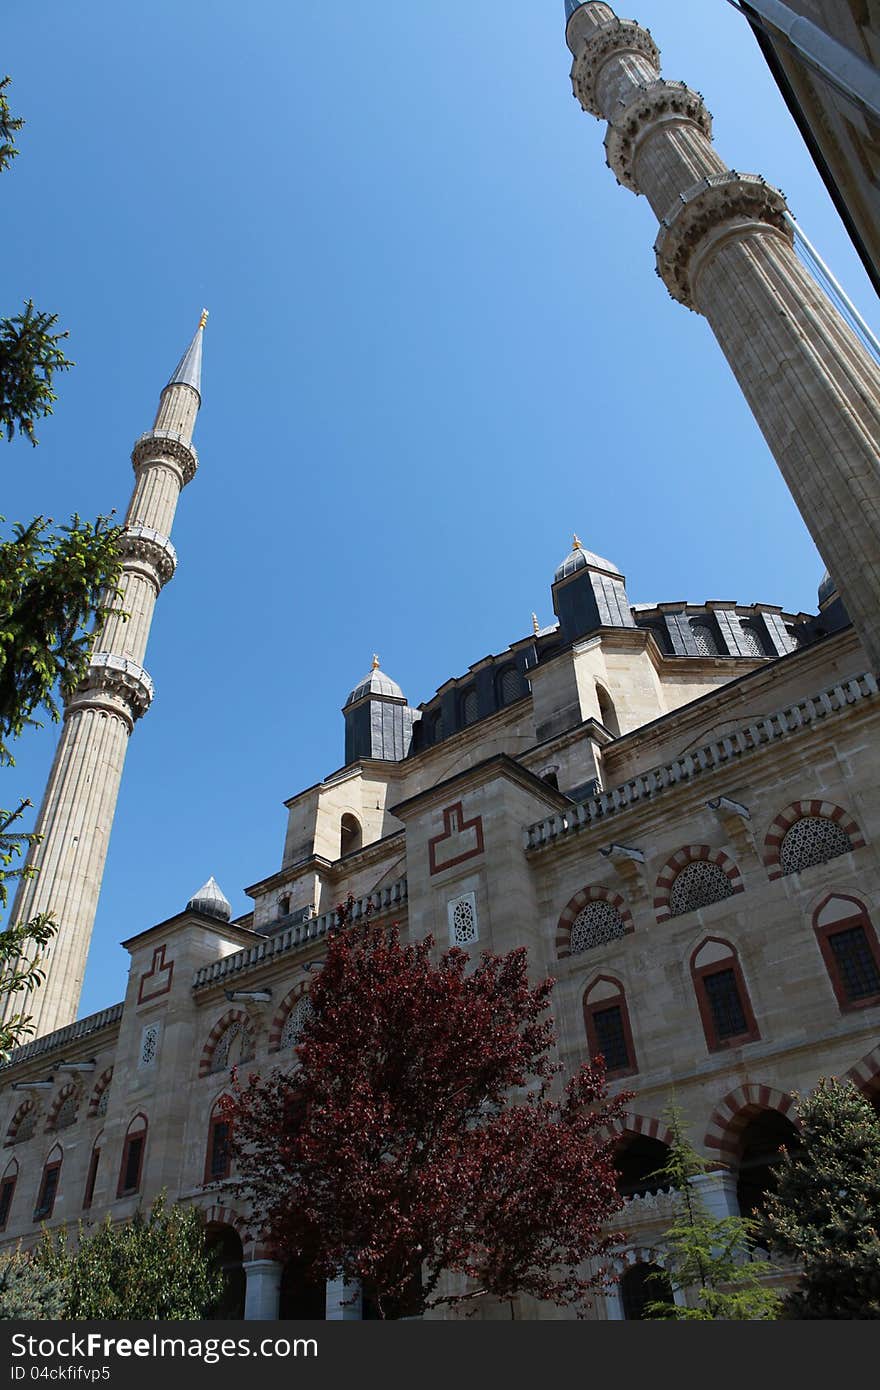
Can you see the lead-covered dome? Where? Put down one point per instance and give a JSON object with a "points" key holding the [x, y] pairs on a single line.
{"points": [[211, 900], [581, 559], [375, 683]]}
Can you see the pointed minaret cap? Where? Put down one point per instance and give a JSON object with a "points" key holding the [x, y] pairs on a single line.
{"points": [[188, 371], [211, 900]]}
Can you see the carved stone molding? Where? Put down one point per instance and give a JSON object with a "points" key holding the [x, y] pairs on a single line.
{"points": [[116, 682], [161, 446], [612, 40], [150, 551], [716, 208], [661, 103]]}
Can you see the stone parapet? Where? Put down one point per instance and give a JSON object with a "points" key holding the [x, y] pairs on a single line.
{"points": [[162, 446], [650, 106], [705, 217], [616, 39], [115, 680], [148, 551]]}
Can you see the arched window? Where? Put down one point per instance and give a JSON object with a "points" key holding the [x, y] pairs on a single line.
{"points": [[697, 885], [751, 639], [101, 1094], [608, 1028], [296, 1021], [607, 711], [469, 706], [436, 732], [92, 1175], [218, 1158], [23, 1123], [131, 1167], [351, 836], [812, 840], [7, 1192], [65, 1108], [637, 1158], [595, 925], [509, 686], [761, 1142], [722, 997], [49, 1185], [224, 1243], [850, 950], [704, 637], [231, 1042], [643, 1283]]}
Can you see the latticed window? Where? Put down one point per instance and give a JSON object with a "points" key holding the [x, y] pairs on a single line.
{"points": [[751, 640], [463, 921], [234, 1045], [595, 925], [611, 1037], [149, 1044], [704, 638], [103, 1101], [469, 707], [24, 1130], [296, 1021], [698, 885], [855, 962], [728, 1014], [510, 686], [219, 1151], [66, 1112], [812, 840]]}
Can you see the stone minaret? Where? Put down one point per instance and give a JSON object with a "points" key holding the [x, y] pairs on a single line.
{"points": [[725, 249], [80, 799]]}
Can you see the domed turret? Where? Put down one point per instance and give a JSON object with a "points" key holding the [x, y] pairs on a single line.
{"points": [[211, 900], [589, 593], [375, 683], [580, 559], [378, 720]]}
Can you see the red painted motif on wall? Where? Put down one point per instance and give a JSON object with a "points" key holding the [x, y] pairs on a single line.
{"points": [[461, 839], [157, 980]]}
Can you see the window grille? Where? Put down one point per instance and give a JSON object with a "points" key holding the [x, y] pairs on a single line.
{"points": [[728, 1014], [469, 707], [510, 686], [751, 640], [704, 638], [26, 1126], [595, 925], [296, 1021], [611, 1037], [149, 1045], [698, 885], [234, 1045], [855, 962], [812, 840], [220, 1157], [103, 1100], [66, 1112], [462, 913]]}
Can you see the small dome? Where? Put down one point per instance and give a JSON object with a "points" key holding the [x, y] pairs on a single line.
{"points": [[827, 589], [375, 683], [211, 900], [580, 559]]}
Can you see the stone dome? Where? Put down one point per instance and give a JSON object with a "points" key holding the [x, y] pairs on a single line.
{"points": [[211, 900], [375, 683], [827, 589], [580, 559]]}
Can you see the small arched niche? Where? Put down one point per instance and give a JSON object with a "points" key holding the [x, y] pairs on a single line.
{"points": [[607, 711], [351, 836]]}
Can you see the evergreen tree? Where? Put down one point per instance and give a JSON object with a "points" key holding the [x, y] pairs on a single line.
{"points": [[155, 1266], [826, 1209], [710, 1257], [27, 1291]]}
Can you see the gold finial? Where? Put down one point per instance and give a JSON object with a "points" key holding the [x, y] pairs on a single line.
{"points": [[375, 662], [576, 543], [204, 319], [535, 624]]}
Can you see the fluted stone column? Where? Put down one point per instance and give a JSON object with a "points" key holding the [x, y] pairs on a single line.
{"points": [[726, 251], [80, 799]]}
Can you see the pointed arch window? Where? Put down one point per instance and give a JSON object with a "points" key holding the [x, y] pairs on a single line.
{"points": [[850, 950], [49, 1185], [131, 1167], [606, 1019], [92, 1175], [7, 1192], [218, 1158], [722, 996]]}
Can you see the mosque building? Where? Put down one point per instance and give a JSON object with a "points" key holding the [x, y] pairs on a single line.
{"points": [[673, 806]]}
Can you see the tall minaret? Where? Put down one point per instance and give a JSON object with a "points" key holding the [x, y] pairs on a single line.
{"points": [[725, 249], [80, 799]]}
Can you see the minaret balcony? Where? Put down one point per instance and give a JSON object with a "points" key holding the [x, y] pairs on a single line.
{"points": [[146, 549], [117, 680], [161, 446]]}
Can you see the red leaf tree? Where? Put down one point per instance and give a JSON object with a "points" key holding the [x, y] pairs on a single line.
{"points": [[418, 1135]]}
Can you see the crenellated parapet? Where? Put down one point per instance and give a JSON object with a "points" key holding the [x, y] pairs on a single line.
{"points": [[163, 447], [147, 552], [705, 217], [115, 684], [616, 39], [649, 107]]}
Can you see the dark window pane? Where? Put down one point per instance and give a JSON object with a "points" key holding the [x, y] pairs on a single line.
{"points": [[728, 1014], [858, 969], [90, 1181], [6, 1199], [47, 1192], [132, 1164], [611, 1037], [219, 1163]]}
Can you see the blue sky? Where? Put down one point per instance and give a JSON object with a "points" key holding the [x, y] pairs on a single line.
{"points": [[437, 346]]}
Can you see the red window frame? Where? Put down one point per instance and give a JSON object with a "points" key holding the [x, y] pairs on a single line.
{"points": [[617, 1000], [216, 1121], [92, 1177], [132, 1137], [707, 1018], [41, 1211], [7, 1186], [824, 933]]}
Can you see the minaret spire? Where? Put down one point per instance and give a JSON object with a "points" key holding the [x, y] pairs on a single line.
{"points": [[79, 804], [725, 250]]}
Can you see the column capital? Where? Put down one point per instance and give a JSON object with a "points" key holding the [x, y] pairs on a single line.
{"points": [[612, 40], [149, 552], [702, 219], [649, 106], [114, 683], [161, 446]]}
